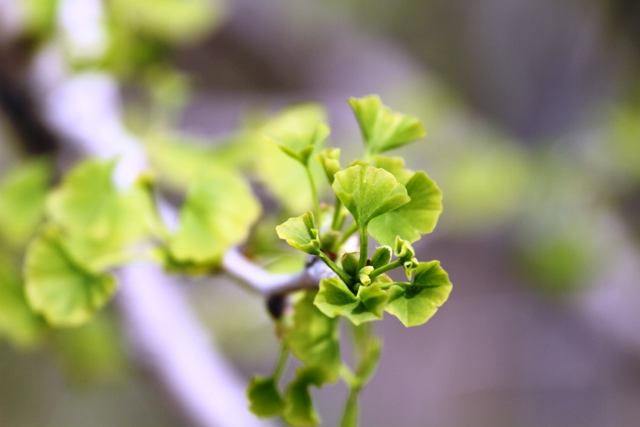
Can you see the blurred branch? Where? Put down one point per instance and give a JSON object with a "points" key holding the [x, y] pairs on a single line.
{"points": [[268, 284]]}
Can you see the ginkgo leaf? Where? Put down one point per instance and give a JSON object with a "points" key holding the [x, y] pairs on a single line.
{"points": [[383, 129], [415, 303], [18, 323], [301, 145], [285, 180], [299, 410], [313, 338], [417, 217], [264, 398], [368, 192], [301, 233], [22, 199], [334, 298], [89, 206], [59, 286], [217, 213], [329, 159], [396, 166]]}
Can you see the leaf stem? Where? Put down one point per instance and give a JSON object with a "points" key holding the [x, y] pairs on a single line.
{"points": [[314, 195], [350, 415], [339, 271], [380, 270], [281, 364], [364, 248], [348, 376], [336, 223]]}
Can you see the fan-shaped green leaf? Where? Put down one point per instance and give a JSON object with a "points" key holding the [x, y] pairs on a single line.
{"points": [[368, 192], [88, 206], [300, 411], [60, 287], [301, 233], [18, 322], [334, 298], [285, 179], [417, 217], [415, 303], [22, 198], [383, 129], [313, 338], [329, 159], [217, 213], [300, 145], [264, 398]]}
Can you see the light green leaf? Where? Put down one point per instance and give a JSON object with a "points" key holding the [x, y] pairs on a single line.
{"points": [[60, 287], [383, 129], [415, 303], [417, 217], [264, 398], [334, 298], [167, 20], [300, 145], [217, 213], [89, 207], [313, 338], [300, 411], [396, 166], [22, 198], [286, 180], [301, 233], [329, 159], [368, 192], [18, 323], [180, 159]]}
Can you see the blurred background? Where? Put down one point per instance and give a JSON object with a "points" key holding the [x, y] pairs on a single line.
{"points": [[532, 110]]}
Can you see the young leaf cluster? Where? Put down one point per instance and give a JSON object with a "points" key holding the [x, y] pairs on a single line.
{"points": [[375, 196], [93, 227]]}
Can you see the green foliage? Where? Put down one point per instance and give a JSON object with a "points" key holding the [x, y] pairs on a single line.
{"points": [[264, 398], [415, 303], [90, 208], [396, 206], [329, 159], [22, 198], [286, 180], [383, 129], [94, 226], [415, 218], [299, 411], [313, 338], [335, 298], [301, 233], [217, 214], [171, 21], [18, 323], [59, 286], [300, 145], [368, 192]]}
